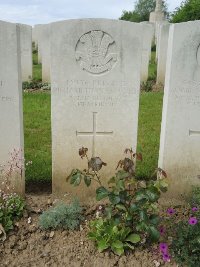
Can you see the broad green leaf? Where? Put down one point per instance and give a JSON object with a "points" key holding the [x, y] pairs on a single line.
{"points": [[133, 238], [87, 180], [121, 207], [118, 251], [117, 244], [154, 234], [143, 215], [154, 219], [76, 179], [101, 193], [140, 195], [114, 199], [102, 245]]}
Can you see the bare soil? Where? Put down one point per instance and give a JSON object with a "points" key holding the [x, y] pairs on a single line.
{"points": [[29, 246]]}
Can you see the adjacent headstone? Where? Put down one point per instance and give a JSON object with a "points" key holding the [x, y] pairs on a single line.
{"points": [[158, 14], [26, 51], [11, 118], [34, 36], [95, 72], [38, 36], [43, 34], [46, 53], [180, 134], [162, 52], [148, 36]]}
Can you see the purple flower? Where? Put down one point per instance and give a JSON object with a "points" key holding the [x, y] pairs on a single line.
{"points": [[171, 211], [193, 221], [166, 257], [195, 209], [162, 230], [163, 247]]}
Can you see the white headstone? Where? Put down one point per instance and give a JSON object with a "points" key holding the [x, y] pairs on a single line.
{"points": [[46, 53], [11, 118], [38, 34], [148, 35], [161, 48], [34, 36], [26, 51], [95, 73], [43, 33], [180, 134]]}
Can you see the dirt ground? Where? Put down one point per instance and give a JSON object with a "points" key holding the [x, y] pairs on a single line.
{"points": [[28, 246]]}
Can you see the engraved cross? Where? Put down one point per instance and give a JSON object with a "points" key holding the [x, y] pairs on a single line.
{"points": [[94, 133], [193, 133]]}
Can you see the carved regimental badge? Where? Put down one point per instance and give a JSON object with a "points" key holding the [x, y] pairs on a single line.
{"points": [[96, 52]]}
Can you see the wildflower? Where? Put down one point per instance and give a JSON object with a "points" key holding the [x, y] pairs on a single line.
{"points": [[193, 221], [163, 247], [166, 257], [195, 209], [171, 211]]}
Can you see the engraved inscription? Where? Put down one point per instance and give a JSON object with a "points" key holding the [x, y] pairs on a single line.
{"points": [[96, 52], [96, 93], [94, 133], [194, 133], [5, 98]]}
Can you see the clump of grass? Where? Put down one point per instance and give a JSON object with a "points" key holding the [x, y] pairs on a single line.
{"points": [[62, 216], [195, 197]]}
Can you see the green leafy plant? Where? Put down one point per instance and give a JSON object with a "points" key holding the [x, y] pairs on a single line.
{"points": [[109, 234], [35, 85], [132, 203], [62, 216], [11, 209]]}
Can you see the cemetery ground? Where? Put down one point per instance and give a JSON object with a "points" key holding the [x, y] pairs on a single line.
{"points": [[27, 244]]}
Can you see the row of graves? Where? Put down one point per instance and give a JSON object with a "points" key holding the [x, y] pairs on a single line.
{"points": [[95, 67]]}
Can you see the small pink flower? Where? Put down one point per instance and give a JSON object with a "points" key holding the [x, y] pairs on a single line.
{"points": [[166, 257], [163, 247], [195, 209], [193, 221], [171, 211]]}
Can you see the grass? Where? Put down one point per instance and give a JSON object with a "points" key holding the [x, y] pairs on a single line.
{"points": [[38, 134], [37, 127], [149, 132]]}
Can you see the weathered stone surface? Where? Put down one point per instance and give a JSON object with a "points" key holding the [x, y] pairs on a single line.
{"points": [[11, 122], [180, 134], [95, 72], [26, 51], [148, 36], [162, 47]]}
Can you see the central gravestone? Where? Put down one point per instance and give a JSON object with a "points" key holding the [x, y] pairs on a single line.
{"points": [[95, 72]]}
